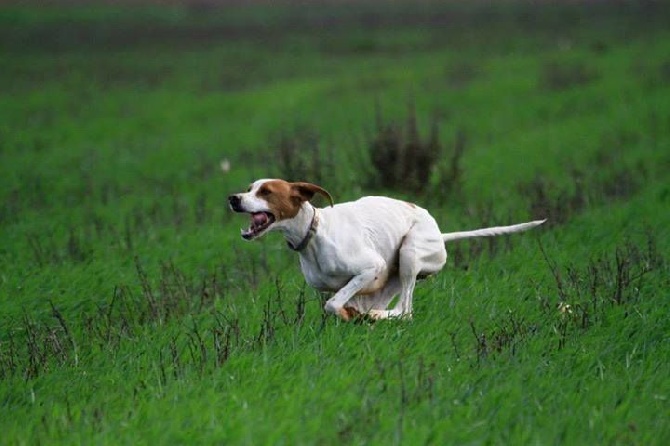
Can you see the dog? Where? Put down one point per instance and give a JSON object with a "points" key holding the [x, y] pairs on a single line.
{"points": [[366, 252]]}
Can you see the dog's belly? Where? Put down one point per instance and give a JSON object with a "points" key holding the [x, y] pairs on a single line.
{"points": [[327, 283], [333, 283]]}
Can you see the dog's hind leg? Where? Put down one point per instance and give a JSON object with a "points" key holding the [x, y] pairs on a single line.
{"points": [[407, 271], [375, 305], [335, 305], [421, 253]]}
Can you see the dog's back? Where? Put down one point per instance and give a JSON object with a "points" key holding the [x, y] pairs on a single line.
{"points": [[379, 222]]}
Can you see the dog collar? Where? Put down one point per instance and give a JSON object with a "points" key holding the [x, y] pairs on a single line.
{"points": [[310, 233]]}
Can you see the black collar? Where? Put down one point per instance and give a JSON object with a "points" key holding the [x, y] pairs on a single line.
{"points": [[310, 233]]}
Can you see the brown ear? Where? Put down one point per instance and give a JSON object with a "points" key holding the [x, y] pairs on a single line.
{"points": [[306, 191]]}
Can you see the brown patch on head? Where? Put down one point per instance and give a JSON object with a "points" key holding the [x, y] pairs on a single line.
{"points": [[278, 195], [284, 199]]}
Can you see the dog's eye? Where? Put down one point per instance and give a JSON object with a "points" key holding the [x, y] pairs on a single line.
{"points": [[263, 192]]}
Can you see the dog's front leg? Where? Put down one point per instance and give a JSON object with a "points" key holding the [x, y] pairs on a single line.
{"points": [[335, 305]]}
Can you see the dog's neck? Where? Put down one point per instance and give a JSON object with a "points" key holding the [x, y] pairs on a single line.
{"points": [[299, 230]]}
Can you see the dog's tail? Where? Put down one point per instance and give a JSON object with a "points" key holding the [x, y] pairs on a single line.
{"points": [[489, 232]]}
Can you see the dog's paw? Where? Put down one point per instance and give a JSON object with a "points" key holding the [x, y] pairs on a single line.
{"points": [[377, 315], [348, 313]]}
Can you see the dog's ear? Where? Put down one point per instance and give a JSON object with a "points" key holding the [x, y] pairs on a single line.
{"points": [[306, 191]]}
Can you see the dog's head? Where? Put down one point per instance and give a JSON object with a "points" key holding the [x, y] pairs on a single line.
{"points": [[272, 202]]}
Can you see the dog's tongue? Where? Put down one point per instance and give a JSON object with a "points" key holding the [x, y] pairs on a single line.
{"points": [[259, 218]]}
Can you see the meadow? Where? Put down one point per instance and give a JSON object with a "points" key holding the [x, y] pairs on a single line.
{"points": [[131, 311]]}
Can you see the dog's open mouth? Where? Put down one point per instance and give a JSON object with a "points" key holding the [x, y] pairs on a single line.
{"points": [[260, 221]]}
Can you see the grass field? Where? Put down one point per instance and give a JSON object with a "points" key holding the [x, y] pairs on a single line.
{"points": [[131, 311]]}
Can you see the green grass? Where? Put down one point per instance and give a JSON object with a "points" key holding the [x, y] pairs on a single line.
{"points": [[133, 313]]}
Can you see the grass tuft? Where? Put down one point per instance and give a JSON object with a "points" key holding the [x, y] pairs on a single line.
{"points": [[404, 161]]}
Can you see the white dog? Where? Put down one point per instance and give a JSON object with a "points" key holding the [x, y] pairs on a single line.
{"points": [[366, 251]]}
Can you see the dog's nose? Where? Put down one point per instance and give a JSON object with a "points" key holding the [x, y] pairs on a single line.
{"points": [[235, 203]]}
